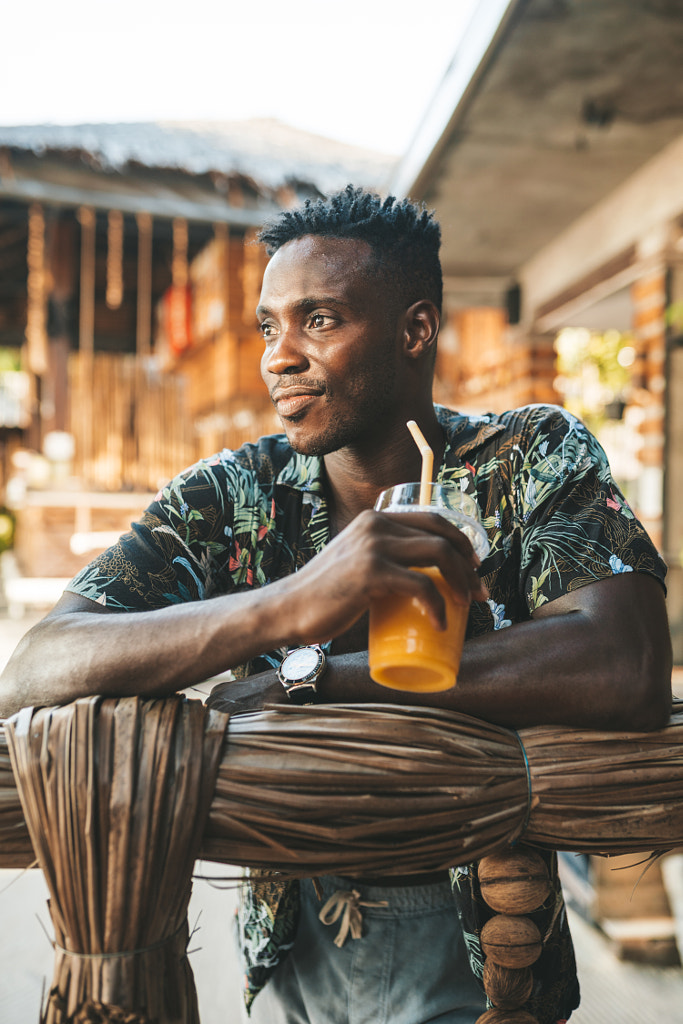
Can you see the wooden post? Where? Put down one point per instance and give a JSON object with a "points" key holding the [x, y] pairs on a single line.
{"points": [[114, 292], [36, 333], [144, 312], [179, 269], [225, 345], [252, 275], [86, 334], [143, 332], [61, 263]]}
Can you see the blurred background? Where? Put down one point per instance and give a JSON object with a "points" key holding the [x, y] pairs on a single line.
{"points": [[143, 144]]}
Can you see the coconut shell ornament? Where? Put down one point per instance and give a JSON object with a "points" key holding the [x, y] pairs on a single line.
{"points": [[514, 881], [511, 941]]}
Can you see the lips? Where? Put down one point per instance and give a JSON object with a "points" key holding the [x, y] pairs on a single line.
{"points": [[292, 401]]}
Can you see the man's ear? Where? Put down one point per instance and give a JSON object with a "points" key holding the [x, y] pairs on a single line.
{"points": [[421, 329]]}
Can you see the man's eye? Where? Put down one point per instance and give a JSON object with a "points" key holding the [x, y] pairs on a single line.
{"points": [[266, 329], [319, 320]]}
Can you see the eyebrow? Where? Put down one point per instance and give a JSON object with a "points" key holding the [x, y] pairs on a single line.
{"points": [[305, 305]]}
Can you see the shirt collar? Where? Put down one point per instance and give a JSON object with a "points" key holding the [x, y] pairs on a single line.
{"points": [[463, 434], [303, 473]]}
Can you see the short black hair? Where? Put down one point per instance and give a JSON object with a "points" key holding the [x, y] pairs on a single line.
{"points": [[404, 236]]}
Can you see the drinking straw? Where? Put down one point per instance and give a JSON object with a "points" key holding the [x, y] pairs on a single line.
{"points": [[427, 462]]}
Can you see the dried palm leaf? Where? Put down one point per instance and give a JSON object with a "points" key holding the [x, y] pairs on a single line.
{"points": [[389, 789], [115, 795], [119, 795], [16, 850], [393, 789]]}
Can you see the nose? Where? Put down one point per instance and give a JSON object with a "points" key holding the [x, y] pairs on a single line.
{"points": [[283, 355]]}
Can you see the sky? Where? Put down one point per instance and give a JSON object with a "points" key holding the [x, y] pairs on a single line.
{"points": [[360, 71]]}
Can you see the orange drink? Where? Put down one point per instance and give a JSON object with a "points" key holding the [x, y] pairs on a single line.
{"points": [[405, 651]]}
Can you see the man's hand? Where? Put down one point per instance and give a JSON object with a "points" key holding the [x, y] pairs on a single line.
{"points": [[240, 696], [372, 558]]}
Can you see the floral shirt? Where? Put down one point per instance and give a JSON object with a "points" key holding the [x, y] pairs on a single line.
{"points": [[555, 521]]}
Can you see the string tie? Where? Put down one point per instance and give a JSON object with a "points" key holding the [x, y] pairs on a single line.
{"points": [[527, 814], [347, 903], [124, 953]]}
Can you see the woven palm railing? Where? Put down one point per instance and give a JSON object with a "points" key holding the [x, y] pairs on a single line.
{"points": [[116, 799]]}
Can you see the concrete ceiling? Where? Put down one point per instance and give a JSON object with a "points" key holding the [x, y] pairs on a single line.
{"points": [[613, 312], [568, 98]]}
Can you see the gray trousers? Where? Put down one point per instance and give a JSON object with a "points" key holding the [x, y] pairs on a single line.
{"points": [[409, 966]]}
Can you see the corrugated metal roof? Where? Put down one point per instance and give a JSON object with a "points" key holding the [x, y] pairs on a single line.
{"points": [[268, 152]]}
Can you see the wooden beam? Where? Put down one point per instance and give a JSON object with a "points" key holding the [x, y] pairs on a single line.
{"points": [[167, 206]]}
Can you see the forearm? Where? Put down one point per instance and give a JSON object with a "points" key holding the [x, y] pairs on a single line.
{"points": [[82, 648], [509, 694], [486, 689], [560, 671], [589, 666], [78, 652]]}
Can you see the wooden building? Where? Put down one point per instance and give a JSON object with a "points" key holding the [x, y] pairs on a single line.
{"points": [[127, 295], [553, 156]]}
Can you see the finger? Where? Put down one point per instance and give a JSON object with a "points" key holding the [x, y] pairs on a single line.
{"points": [[379, 528], [422, 549], [415, 585], [434, 523]]}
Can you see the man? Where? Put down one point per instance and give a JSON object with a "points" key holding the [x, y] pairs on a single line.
{"points": [[250, 554]]}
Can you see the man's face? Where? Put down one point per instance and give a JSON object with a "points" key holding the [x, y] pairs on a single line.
{"points": [[331, 343]]}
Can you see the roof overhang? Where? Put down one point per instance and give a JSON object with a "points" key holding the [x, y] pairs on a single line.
{"points": [[181, 169], [548, 106], [57, 181]]}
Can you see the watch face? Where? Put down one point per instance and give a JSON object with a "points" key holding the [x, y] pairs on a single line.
{"points": [[300, 663]]}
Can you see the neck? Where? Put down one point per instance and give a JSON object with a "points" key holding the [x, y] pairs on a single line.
{"points": [[357, 474]]}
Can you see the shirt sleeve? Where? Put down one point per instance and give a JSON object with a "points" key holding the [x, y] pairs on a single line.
{"points": [[577, 525], [175, 553]]}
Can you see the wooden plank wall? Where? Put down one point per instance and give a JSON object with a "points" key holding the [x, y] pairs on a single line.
{"points": [[130, 423], [227, 402], [137, 421], [474, 369], [482, 366]]}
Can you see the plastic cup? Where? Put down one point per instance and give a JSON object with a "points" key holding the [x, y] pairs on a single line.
{"points": [[405, 651]]}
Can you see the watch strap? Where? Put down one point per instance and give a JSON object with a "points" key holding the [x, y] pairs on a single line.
{"points": [[303, 693]]}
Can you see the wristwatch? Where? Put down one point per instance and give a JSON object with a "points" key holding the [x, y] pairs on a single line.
{"points": [[300, 671]]}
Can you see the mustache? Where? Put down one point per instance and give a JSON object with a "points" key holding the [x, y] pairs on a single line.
{"points": [[298, 385]]}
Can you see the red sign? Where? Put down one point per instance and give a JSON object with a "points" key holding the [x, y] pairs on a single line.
{"points": [[178, 310]]}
